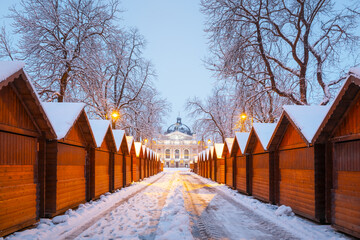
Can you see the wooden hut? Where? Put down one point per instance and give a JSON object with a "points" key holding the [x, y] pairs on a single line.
{"points": [[299, 163], [144, 162], [139, 156], [119, 158], [205, 166], [241, 179], [67, 157], [102, 159], [24, 127], [134, 163], [229, 163], [129, 161], [261, 161], [340, 131], [219, 162]]}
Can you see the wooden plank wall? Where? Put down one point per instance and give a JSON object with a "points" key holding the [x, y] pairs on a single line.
{"points": [[220, 170], [127, 170], [346, 184], [18, 170], [229, 171], [102, 161], [71, 182], [118, 171], [135, 168], [241, 176]]}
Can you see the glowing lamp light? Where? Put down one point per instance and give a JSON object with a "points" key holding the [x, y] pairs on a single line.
{"points": [[209, 141], [145, 140], [243, 116], [115, 115]]}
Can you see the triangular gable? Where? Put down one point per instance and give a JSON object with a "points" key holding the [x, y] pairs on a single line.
{"points": [[261, 132], [12, 73], [342, 103], [207, 154], [240, 142], [63, 116], [144, 150], [219, 149], [138, 149], [130, 143], [120, 141], [229, 144], [307, 119], [99, 129]]}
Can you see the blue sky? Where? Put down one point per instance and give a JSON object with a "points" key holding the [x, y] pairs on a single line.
{"points": [[176, 44]]}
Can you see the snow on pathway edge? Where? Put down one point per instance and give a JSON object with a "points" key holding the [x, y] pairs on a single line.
{"points": [[72, 219], [303, 228]]}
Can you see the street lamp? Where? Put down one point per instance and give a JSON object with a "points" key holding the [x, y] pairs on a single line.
{"points": [[114, 117], [243, 116]]}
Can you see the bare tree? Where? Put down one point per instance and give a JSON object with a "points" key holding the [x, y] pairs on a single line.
{"points": [[55, 35], [284, 45]]}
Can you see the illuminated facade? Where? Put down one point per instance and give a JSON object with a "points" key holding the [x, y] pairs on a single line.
{"points": [[178, 146]]}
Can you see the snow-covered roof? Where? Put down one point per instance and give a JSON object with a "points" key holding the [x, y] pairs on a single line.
{"points": [[264, 131], [8, 68], [242, 138], [219, 149], [129, 140], [99, 129], [144, 149], [307, 118], [229, 143], [62, 116], [118, 136], [137, 148], [207, 153]]}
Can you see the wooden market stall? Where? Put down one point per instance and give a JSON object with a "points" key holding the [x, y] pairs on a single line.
{"points": [[144, 162], [128, 170], [299, 163], [229, 163], [138, 157], [241, 179], [340, 131], [102, 159], [119, 158], [67, 157], [24, 127], [211, 161], [261, 165], [219, 162]]}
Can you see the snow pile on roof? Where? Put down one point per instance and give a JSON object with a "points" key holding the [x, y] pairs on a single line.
{"points": [[62, 116], [8, 68], [137, 148], [242, 138], [355, 70], [219, 149], [207, 153], [307, 118], [99, 129], [129, 140], [118, 135], [144, 148], [229, 143], [264, 131]]}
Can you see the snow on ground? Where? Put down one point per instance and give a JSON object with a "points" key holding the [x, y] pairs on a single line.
{"points": [[177, 204]]}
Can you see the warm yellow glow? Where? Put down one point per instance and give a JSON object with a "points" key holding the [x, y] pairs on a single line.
{"points": [[115, 115], [145, 140], [209, 141], [243, 116]]}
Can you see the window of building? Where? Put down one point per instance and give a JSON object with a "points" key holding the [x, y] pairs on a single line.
{"points": [[177, 154], [167, 153], [186, 154]]}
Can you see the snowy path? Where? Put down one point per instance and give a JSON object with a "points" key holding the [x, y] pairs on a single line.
{"points": [[177, 205]]}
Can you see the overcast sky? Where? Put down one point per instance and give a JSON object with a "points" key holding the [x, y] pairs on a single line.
{"points": [[176, 44]]}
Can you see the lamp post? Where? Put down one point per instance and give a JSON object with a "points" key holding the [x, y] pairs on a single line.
{"points": [[114, 117], [243, 117]]}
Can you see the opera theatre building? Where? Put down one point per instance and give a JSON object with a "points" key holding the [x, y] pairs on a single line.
{"points": [[178, 146]]}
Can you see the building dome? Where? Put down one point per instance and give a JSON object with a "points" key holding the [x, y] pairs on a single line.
{"points": [[178, 126]]}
